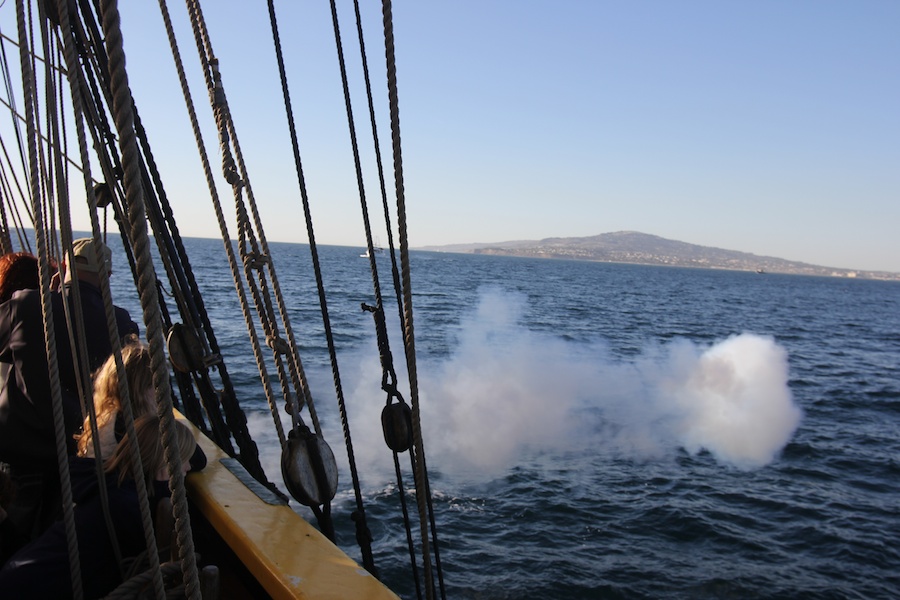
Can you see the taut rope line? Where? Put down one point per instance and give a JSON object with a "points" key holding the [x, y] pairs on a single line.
{"points": [[76, 88], [363, 534], [124, 119], [410, 345], [258, 263], [47, 311], [223, 228]]}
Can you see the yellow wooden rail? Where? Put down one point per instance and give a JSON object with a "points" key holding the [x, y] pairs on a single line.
{"points": [[289, 557]]}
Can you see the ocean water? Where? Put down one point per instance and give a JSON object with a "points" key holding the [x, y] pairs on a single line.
{"points": [[609, 431]]}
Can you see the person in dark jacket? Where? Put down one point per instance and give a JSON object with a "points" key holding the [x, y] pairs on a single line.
{"points": [[27, 440], [18, 271], [41, 569]]}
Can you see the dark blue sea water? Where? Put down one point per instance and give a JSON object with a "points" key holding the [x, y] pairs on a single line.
{"points": [[611, 431]]}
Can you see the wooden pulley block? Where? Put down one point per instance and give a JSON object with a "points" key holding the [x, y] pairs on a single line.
{"points": [[396, 423], [185, 349], [309, 469]]}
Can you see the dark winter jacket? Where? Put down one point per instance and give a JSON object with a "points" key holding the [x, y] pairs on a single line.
{"points": [[41, 569], [27, 439]]}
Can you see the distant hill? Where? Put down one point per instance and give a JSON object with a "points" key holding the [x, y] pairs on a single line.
{"points": [[645, 249]]}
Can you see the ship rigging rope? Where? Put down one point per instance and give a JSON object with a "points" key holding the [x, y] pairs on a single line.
{"points": [[10, 200], [134, 587], [176, 263], [53, 172], [389, 378], [46, 181], [257, 260], [255, 255], [421, 471], [379, 163], [426, 513], [223, 228], [17, 217], [77, 88], [193, 312], [363, 534], [124, 120], [258, 263], [74, 318], [44, 274], [397, 290], [272, 339], [61, 179]]}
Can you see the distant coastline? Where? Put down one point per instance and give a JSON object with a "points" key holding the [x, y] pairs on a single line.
{"points": [[641, 248]]}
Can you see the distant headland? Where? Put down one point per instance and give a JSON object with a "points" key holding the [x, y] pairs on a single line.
{"points": [[646, 249]]}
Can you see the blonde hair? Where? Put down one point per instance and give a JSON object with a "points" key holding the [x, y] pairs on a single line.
{"points": [[107, 403], [149, 440]]}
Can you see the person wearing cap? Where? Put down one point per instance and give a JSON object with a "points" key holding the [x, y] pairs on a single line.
{"points": [[88, 261], [27, 438]]}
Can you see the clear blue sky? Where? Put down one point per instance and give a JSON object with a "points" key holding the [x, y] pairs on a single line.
{"points": [[769, 127]]}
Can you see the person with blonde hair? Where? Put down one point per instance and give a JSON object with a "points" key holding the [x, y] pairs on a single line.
{"points": [[107, 400], [41, 569], [149, 441]]}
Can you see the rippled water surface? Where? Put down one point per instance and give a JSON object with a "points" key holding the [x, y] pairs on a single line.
{"points": [[560, 463]]}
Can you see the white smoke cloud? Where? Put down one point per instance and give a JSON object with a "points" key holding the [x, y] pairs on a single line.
{"points": [[507, 393], [734, 401], [504, 390]]}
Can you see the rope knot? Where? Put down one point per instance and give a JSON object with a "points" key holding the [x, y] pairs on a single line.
{"points": [[255, 260], [278, 344], [230, 171]]}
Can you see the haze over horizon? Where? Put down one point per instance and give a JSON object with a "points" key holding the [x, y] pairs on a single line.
{"points": [[769, 128]]}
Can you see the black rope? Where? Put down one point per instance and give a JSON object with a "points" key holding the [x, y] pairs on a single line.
{"points": [[101, 131], [363, 534], [408, 525], [409, 344], [395, 271], [7, 81], [434, 539], [388, 373]]}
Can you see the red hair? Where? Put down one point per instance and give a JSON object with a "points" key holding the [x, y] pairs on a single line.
{"points": [[18, 271]]}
